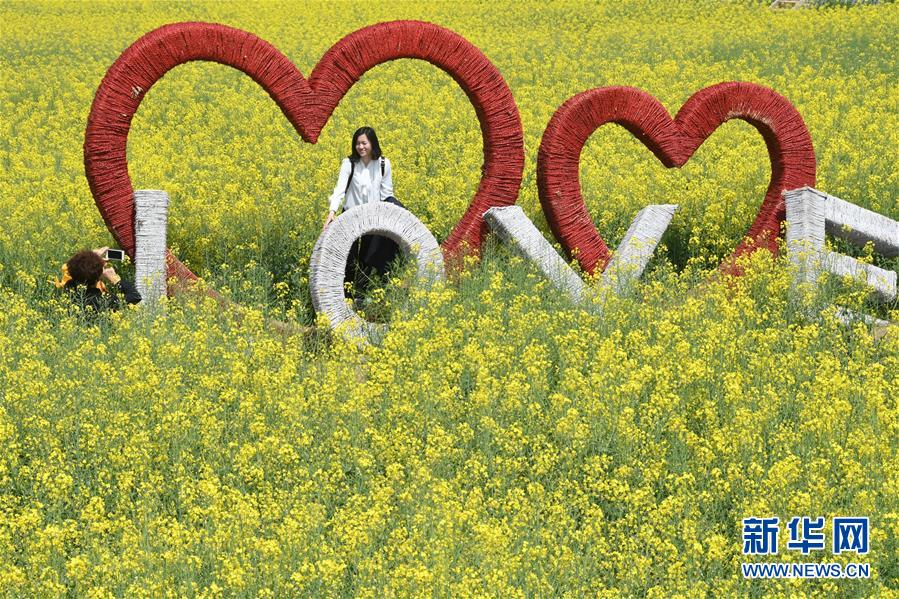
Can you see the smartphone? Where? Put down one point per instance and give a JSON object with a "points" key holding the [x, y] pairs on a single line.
{"points": [[114, 255]]}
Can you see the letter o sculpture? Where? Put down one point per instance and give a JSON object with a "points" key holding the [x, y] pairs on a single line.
{"points": [[329, 258]]}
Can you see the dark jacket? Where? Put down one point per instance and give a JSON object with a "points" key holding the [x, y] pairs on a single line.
{"points": [[84, 296]]}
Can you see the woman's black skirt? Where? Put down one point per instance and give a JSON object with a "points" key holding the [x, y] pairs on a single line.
{"points": [[370, 258]]}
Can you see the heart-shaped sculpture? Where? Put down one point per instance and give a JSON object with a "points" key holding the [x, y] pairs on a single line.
{"points": [[308, 105], [673, 141]]}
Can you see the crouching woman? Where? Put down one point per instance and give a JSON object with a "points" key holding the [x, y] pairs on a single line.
{"points": [[93, 283]]}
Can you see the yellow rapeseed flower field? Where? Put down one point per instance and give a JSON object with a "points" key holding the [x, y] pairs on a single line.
{"points": [[499, 441]]}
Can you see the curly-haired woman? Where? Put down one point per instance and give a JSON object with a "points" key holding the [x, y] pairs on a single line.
{"points": [[94, 283]]}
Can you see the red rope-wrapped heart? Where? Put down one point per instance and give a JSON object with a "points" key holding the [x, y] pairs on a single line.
{"points": [[673, 141], [308, 105]]}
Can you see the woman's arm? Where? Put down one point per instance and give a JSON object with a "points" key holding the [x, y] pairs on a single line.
{"points": [[132, 295], [386, 181], [339, 192]]}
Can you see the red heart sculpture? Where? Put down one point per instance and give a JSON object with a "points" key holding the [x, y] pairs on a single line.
{"points": [[307, 104], [673, 141]]}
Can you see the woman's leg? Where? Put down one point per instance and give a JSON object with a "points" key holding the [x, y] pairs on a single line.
{"points": [[350, 275]]}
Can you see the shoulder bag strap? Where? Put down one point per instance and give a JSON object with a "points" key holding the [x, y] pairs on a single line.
{"points": [[350, 180]]}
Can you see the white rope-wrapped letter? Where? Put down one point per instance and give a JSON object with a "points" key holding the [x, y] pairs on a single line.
{"points": [[151, 208], [516, 229], [634, 252], [805, 232], [860, 225], [329, 258], [882, 282], [638, 245], [811, 214]]}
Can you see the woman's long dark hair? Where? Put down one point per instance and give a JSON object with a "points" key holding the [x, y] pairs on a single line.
{"points": [[372, 138]]}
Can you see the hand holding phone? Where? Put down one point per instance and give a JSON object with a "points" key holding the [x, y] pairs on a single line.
{"points": [[110, 275]]}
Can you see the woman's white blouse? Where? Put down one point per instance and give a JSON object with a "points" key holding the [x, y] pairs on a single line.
{"points": [[367, 185]]}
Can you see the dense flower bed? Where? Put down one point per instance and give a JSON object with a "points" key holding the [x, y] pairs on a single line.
{"points": [[499, 441]]}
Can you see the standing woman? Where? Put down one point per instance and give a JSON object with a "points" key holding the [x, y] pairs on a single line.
{"points": [[365, 177]]}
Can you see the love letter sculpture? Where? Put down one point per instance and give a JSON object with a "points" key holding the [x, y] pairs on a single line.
{"points": [[307, 104], [673, 141]]}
